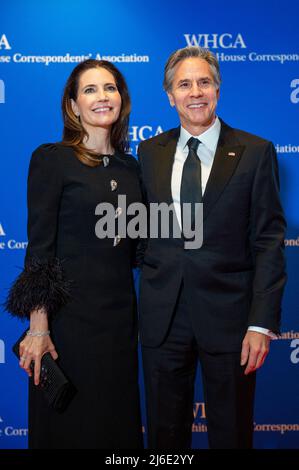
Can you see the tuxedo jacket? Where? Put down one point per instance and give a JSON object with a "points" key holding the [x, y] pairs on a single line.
{"points": [[236, 278]]}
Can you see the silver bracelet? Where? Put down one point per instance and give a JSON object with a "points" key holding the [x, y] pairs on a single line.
{"points": [[38, 333]]}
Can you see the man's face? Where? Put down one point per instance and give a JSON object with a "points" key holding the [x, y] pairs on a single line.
{"points": [[194, 94]]}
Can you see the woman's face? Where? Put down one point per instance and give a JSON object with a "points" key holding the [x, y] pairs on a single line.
{"points": [[98, 101]]}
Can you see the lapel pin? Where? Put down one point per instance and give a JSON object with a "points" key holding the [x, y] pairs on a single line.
{"points": [[231, 154]]}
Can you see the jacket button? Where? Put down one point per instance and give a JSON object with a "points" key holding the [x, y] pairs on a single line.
{"points": [[113, 185], [106, 161], [118, 212], [116, 241]]}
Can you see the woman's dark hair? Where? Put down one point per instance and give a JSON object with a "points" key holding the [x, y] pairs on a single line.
{"points": [[73, 131]]}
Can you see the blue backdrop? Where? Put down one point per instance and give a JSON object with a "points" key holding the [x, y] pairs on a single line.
{"points": [[257, 43]]}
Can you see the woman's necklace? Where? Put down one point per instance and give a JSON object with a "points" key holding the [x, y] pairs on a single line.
{"points": [[103, 157]]}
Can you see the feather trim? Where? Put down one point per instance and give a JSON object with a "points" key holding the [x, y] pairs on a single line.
{"points": [[41, 284]]}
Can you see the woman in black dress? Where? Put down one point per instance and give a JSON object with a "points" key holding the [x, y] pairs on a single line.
{"points": [[76, 289]]}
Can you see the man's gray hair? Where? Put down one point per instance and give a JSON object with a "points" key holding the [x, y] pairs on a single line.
{"points": [[186, 53]]}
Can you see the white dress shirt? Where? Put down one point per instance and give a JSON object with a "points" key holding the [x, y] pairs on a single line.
{"points": [[206, 152]]}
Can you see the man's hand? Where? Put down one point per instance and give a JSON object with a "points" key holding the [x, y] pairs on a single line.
{"points": [[255, 348]]}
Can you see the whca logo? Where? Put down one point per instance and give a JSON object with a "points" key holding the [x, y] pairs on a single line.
{"points": [[4, 44], [216, 41]]}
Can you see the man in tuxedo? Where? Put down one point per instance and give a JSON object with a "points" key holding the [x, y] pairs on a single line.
{"points": [[219, 303]]}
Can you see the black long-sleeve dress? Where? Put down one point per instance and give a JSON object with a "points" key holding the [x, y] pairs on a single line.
{"points": [[86, 286]]}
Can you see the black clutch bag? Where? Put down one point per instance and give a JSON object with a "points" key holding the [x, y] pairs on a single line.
{"points": [[57, 389]]}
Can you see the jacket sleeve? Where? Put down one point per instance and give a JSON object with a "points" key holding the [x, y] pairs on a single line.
{"points": [[267, 240], [142, 242], [42, 282]]}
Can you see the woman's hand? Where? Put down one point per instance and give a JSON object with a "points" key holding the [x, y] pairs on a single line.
{"points": [[32, 348]]}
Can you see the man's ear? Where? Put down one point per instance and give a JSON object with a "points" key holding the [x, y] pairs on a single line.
{"points": [[171, 100], [75, 108]]}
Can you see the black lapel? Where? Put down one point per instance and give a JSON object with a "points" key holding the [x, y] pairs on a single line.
{"points": [[164, 157], [225, 162]]}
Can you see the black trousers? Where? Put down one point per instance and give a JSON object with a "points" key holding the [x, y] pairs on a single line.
{"points": [[169, 376]]}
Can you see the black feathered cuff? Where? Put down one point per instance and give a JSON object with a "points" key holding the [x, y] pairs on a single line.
{"points": [[41, 284]]}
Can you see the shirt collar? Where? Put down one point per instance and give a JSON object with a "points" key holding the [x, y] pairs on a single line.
{"points": [[209, 138]]}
